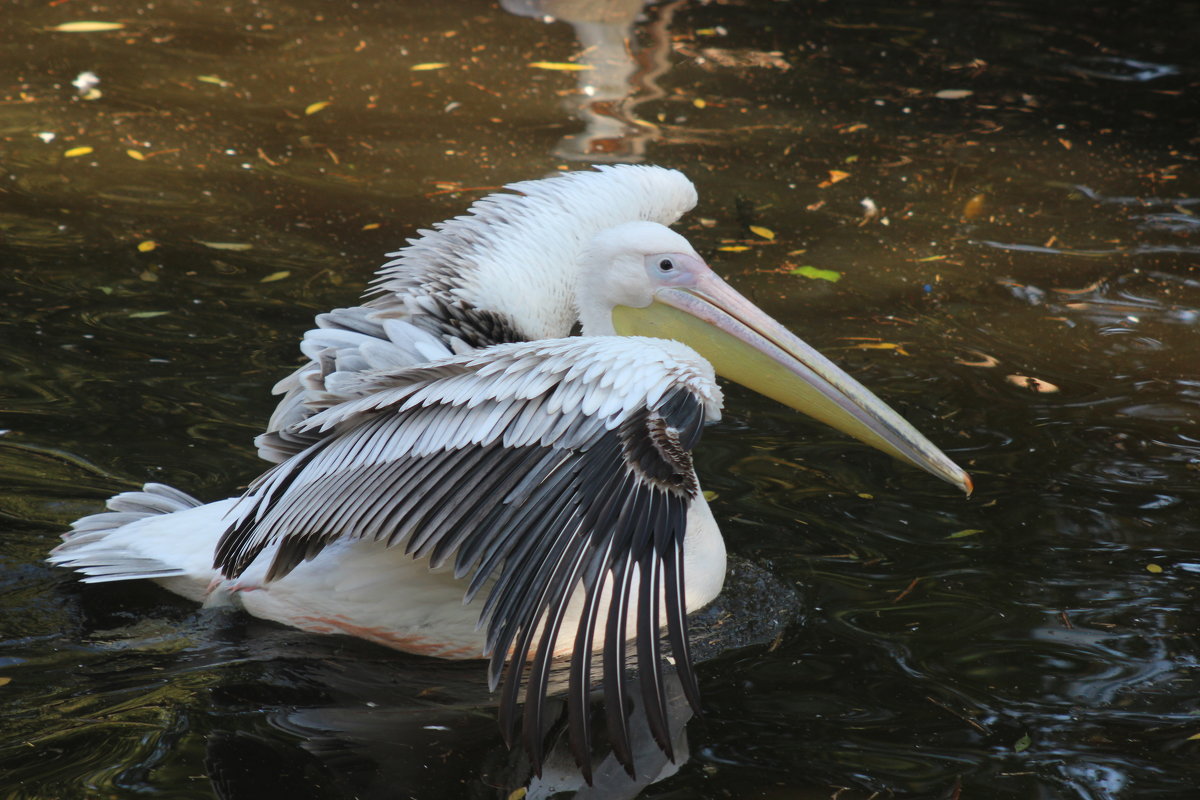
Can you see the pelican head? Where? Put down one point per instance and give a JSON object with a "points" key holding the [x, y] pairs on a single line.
{"points": [[643, 279]]}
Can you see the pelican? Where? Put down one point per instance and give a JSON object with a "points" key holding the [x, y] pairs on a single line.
{"points": [[457, 475]]}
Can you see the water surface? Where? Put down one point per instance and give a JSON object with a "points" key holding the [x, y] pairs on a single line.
{"points": [[1022, 284]]}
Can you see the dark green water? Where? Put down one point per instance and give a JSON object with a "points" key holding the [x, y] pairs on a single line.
{"points": [[1035, 641]]}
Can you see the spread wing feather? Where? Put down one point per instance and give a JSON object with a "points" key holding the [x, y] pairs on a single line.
{"points": [[544, 480], [467, 284]]}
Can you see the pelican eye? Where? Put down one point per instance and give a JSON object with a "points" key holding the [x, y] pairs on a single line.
{"points": [[666, 265]]}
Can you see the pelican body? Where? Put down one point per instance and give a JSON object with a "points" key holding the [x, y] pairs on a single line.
{"points": [[456, 475]]}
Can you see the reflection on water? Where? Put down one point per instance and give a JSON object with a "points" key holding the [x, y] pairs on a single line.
{"points": [[615, 74], [1034, 175]]}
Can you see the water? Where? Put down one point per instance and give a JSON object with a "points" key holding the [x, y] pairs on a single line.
{"points": [[1037, 640]]}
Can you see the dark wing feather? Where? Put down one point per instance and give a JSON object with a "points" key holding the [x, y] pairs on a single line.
{"points": [[533, 524]]}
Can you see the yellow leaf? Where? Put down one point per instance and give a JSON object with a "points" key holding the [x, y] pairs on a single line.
{"points": [[218, 80], [313, 108], [835, 175], [899, 349], [276, 276], [817, 274], [428, 66], [765, 233], [699, 103], [965, 533], [733, 248], [147, 246], [87, 27], [76, 152], [370, 226], [931, 258], [148, 276], [1194, 737], [973, 209], [563, 66], [147, 314], [6, 681], [236, 246], [1153, 568], [136, 155]]}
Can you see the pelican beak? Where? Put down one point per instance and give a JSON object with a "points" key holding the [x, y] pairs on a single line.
{"points": [[745, 345]]}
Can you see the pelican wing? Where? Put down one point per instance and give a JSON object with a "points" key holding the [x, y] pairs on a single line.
{"points": [[474, 281], [548, 471]]}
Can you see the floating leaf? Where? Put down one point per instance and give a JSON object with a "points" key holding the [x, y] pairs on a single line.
{"points": [[1154, 569], [931, 258], [313, 108], [709, 495], [953, 94], [276, 276], [136, 155], [835, 175], [426, 67], [76, 152], [564, 66], [699, 103], [1022, 744], [235, 246], [965, 533], [882, 346], [765, 233], [733, 248], [817, 274], [147, 246], [148, 276], [5, 681], [1194, 737], [147, 314], [88, 27], [1032, 384], [974, 208], [218, 80], [983, 360], [370, 226]]}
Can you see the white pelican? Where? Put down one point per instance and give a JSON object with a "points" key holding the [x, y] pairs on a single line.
{"points": [[449, 439]]}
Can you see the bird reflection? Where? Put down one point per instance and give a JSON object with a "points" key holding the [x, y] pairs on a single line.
{"points": [[617, 77], [376, 724]]}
